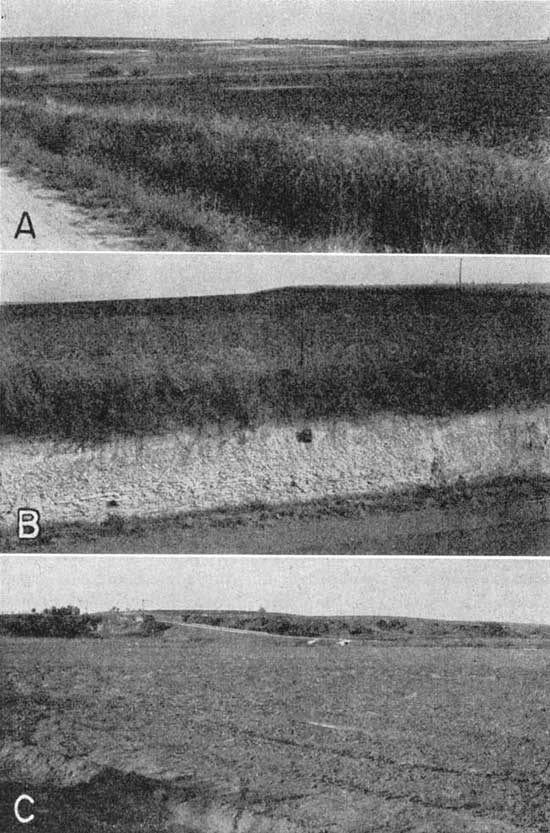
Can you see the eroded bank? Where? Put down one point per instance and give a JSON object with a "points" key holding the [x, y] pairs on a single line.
{"points": [[188, 470]]}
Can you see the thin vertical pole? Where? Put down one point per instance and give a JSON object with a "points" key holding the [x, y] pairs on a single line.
{"points": [[302, 362], [302, 342], [461, 322]]}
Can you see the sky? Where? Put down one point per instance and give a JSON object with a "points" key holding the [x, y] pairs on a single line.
{"points": [[485, 589], [370, 19], [51, 276]]}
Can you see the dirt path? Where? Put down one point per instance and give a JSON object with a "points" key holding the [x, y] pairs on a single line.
{"points": [[240, 631], [58, 226]]}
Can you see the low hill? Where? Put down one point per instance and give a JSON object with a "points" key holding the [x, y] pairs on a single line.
{"points": [[93, 370], [388, 629]]}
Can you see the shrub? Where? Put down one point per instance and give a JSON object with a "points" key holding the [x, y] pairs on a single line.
{"points": [[10, 81], [106, 71], [65, 622], [38, 78]]}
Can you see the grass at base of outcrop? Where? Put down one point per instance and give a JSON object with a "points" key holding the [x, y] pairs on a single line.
{"points": [[503, 516]]}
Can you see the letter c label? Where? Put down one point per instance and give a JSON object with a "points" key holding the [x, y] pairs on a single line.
{"points": [[23, 819]]}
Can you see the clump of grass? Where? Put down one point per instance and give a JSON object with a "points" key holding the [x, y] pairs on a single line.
{"points": [[159, 220], [88, 371], [399, 194]]}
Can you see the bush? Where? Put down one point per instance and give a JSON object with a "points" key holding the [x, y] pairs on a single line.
{"points": [[106, 71], [37, 78], [391, 624], [65, 622], [10, 81]]}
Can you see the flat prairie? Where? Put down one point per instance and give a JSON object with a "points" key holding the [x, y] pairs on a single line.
{"points": [[358, 146], [200, 730]]}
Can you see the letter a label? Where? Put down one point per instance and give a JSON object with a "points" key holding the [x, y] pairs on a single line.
{"points": [[25, 229]]}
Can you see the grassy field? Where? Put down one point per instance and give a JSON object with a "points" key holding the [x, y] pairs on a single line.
{"points": [[91, 370], [358, 146], [133, 734]]}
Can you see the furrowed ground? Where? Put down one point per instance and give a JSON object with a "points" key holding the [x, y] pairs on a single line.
{"points": [[93, 370], [139, 734], [297, 146]]}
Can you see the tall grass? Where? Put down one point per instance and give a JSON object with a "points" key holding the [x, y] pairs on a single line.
{"points": [[397, 194], [91, 370]]}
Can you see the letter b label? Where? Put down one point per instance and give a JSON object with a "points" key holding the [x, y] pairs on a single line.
{"points": [[29, 523]]}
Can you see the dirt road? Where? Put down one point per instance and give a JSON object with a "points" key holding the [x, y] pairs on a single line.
{"points": [[223, 629], [58, 226]]}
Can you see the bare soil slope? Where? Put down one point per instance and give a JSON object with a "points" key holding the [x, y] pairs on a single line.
{"points": [[188, 470]]}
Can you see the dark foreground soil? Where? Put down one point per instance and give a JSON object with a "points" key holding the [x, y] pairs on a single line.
{"points": [[112, 800], [507, 516], [198, 730]]}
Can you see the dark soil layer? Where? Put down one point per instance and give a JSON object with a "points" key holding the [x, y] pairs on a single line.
{"points": [[112, 801], [507, 516]]}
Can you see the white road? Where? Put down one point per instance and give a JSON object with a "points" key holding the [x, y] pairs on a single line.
{"points": [[224, 629], [58, 226]]}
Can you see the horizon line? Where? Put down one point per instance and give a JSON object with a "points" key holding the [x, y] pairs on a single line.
{"points": [[440, 283], [209, 610], [267, 38]]}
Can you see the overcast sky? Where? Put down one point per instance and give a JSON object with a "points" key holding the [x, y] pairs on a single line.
{"points": [[371, 19], [51, 276], [512, 590]]}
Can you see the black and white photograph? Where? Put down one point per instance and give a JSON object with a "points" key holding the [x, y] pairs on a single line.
{"points": [[157, 403], [182, 695], [275, 416], [276, 125]]}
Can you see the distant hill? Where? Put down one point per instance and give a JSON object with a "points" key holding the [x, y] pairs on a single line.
{"points": [[390, 629]]}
